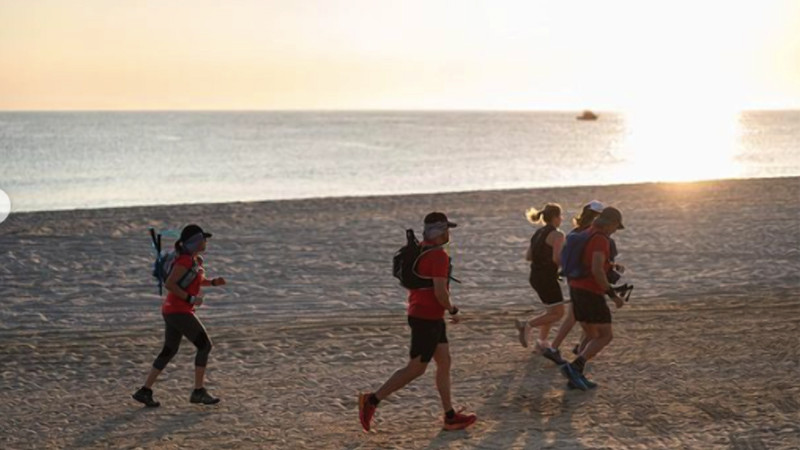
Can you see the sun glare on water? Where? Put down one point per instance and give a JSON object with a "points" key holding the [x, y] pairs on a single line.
{"points": [[681, 144]]}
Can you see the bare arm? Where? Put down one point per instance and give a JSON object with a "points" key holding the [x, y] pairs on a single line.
{"points": [[442, 294], [219, 281], [599, 273], [556, 241], [598, 260]]}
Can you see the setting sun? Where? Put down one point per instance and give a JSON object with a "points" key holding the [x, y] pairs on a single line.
{"points": [[681, 144]]}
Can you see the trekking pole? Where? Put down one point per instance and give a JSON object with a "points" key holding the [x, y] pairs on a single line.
{"points": [[156, 241]]}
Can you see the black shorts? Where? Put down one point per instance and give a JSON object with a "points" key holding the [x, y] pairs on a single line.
{"points": [[425, 336], [546, 286], [589, 307]]}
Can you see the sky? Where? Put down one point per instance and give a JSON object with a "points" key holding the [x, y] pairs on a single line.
{"points": [[411, 55]]}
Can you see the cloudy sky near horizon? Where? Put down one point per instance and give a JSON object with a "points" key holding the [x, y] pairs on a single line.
{"points": [[414, 54]]}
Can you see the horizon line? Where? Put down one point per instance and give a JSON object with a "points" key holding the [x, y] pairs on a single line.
{"points": [[358, 110]]}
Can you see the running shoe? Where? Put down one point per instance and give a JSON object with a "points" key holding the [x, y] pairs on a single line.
{"points": [[523, 332], [540, 346], [145, 395], [589, 383], [573, 376], [365, 410], [553, 355], [459, 421], [202, 396]]}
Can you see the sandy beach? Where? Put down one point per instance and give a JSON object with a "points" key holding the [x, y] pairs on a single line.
{"points": [[705, 355]]}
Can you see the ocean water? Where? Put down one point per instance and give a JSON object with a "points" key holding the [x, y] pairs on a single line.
{"points": [[69, 160]]}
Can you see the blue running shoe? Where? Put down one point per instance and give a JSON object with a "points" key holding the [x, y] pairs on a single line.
{"points": [[589, 383], [573, 376]]}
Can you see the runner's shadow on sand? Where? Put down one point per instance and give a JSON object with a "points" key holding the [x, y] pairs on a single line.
{"points": [[531, 396], [168, 423]]}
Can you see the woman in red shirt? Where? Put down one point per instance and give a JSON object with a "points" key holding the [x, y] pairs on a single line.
{"points": [[183, 294]]}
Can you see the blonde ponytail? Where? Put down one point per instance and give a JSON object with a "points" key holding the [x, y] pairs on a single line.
{"points": [[545, 215], [534, 216]]}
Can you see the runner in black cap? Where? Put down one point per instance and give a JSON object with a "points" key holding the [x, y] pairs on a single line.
{"points": [[426, 308], [588, 295], [582, 222], [183, 295]]}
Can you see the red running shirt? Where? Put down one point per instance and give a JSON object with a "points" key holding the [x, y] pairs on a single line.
{"points": [[597, 243], [174, 304], [422, 303]]}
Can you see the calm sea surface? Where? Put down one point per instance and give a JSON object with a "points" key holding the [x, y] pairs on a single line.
{"points": [[52, 161]]}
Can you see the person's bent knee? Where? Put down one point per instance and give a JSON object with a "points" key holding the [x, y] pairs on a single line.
{"points": [[417, 365], [590, 330], [163, 358], [160, 364], [443, 363], [557, 312]]}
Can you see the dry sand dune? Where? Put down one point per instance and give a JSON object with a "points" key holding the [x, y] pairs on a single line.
{"points": [[705, 355]]}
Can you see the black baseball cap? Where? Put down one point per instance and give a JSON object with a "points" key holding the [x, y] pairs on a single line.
{"points": [[610, 215], [437, 217], [189, 231]]}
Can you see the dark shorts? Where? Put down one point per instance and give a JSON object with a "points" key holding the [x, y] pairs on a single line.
{"points": [[589, 307], [425, 336], [546, 286]]}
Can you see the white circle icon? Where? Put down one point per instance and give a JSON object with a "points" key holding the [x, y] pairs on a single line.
{"points": [[5, 206]]}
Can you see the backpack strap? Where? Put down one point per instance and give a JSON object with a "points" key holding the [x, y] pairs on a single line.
{"points": [[430, 249], [188, 278], [423, 252]]}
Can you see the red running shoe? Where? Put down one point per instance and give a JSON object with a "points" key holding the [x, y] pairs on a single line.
{"points": [[365, 410], [459, 421]]}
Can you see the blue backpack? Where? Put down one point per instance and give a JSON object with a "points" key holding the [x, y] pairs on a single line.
{"points": [[572, 265], [165, 261]]}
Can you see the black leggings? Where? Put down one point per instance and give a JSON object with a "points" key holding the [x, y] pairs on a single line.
{"points": [[177, 326]]}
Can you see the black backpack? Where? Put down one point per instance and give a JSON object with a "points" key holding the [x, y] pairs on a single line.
{"points": [[404, 264]]}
